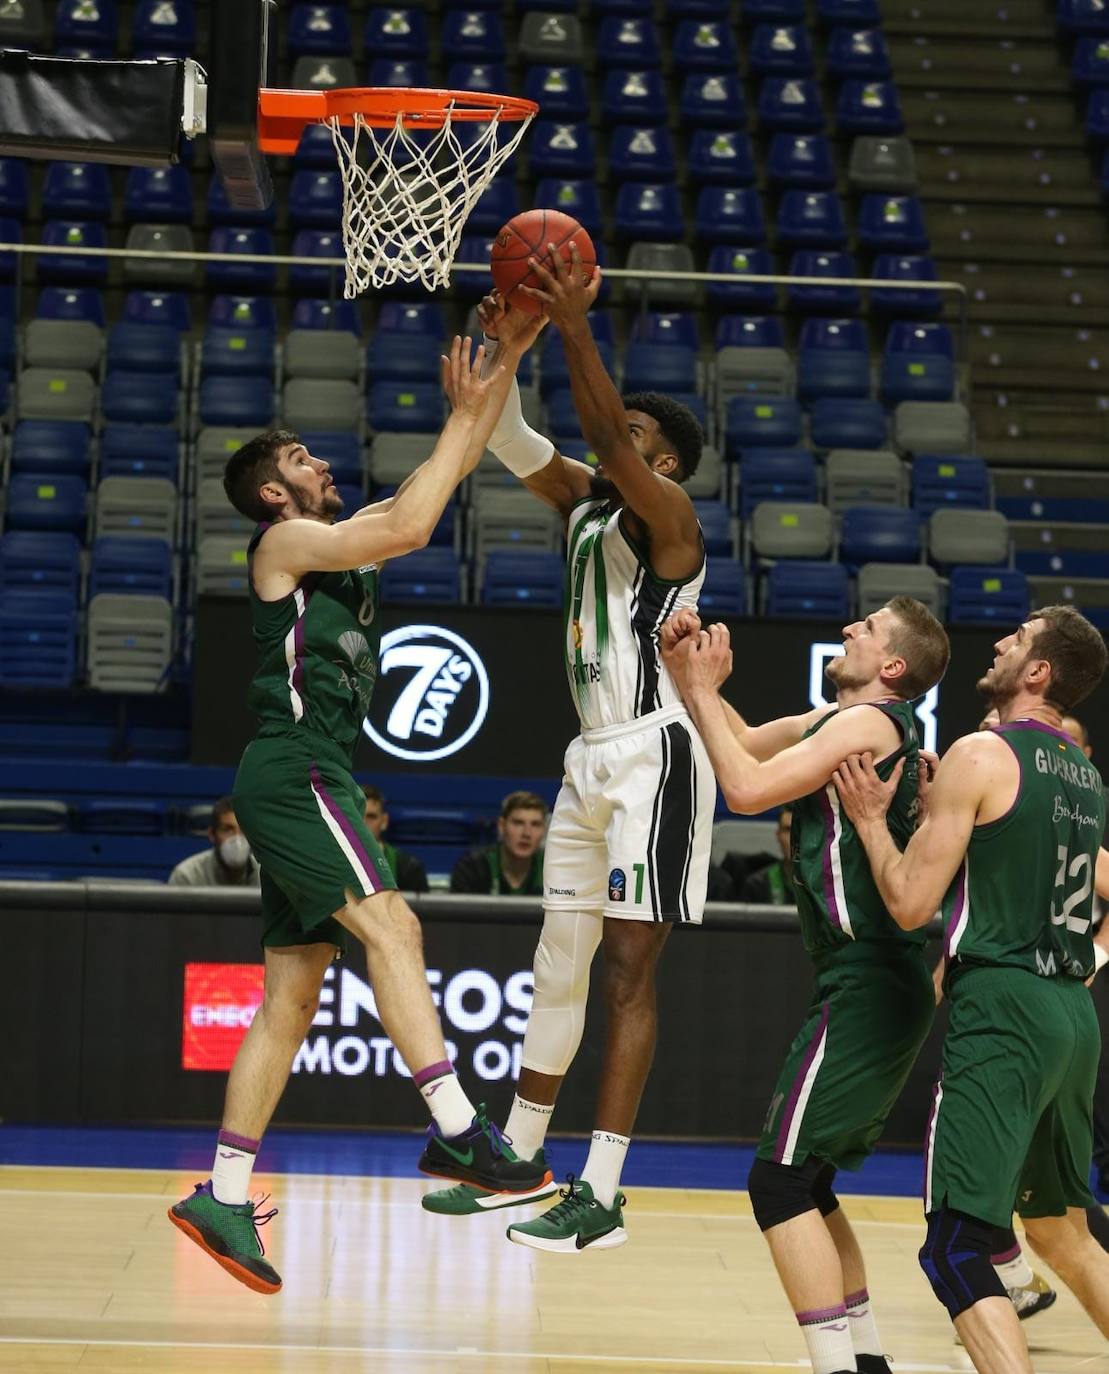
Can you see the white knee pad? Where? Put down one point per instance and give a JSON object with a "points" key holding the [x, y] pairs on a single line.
{"points": [[567, 944]]}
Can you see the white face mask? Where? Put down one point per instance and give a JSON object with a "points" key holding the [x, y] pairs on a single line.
{"points": [[235, 851]]}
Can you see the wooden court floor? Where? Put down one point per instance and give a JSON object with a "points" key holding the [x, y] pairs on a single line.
{"points": [[94, 1278]]}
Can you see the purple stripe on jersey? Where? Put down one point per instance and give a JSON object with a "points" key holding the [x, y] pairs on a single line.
{"points": [[349, 832], [834, 913], [298, 644], [799, 1082], [1034, 725], [958, 908]]}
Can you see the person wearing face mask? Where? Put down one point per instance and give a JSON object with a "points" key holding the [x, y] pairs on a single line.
{"points": [[229, 862]]}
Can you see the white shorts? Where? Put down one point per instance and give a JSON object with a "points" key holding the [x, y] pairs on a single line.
{"points": [[631, 831]]}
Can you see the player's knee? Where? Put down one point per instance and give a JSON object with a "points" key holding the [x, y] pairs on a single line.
{"points": [[630, 959], [1053, 1239], [780, 1192], [386, 922], [563, 957], [955, 1258]]}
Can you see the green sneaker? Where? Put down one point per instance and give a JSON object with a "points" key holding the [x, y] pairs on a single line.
{"points": [[464, 1199], [575, 1222], [229, 1234]]}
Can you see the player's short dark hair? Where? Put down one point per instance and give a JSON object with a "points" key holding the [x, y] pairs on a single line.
{"points": [[522, 801], [252, 465], [374, 794], [222, 806], [678, 424], [1076, 651], [919, 638]]}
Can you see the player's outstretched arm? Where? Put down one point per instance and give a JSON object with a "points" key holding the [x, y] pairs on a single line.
{"points": [[750, 785], [913, 883]]}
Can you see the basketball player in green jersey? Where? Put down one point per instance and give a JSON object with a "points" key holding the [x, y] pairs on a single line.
{"points": [[873, 1003], [1010, 846], [314, 610]]}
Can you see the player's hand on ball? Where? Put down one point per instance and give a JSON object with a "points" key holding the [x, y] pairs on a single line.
{"points": [[462, 380], [490, 313], [565, 295], [864, 795]]}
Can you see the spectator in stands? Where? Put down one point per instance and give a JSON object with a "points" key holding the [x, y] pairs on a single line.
{"points": [[228, 863], [407, 869], [513, 867], [773, 885]]}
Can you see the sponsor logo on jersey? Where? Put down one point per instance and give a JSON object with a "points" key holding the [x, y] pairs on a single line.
{"points": [[617, 885], [578, 633], [432, 696]]}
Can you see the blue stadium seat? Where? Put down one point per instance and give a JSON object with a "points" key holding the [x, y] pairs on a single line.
{"points": [[487, 77], [39, 632], [579, 199], [410, 72], [221, 211], [318, 30], [402, 357], [631, 8], [560, 92], [879, 534], [1090, 63], [667, 327], [911, 336], [761, 422], [320, 314], [943, 481], [868, 107], [76, 269], [315, 149], [87, 25], [1097, 117], [140, 398], [130, 450], [855, 13], [791, 104], [431, 575], [1057, 561], [741, 262], [326, 244], [249, 277], [797, 587], [528, 579], [77, 190], [801, 160], [131, 567], [917, 301], [408, 408], [31, 560], [159, 195], [144, 348], [773, 11], [315, 200], [230, 352], [704, 45], [495, 206], [13, 187], [474, 248], [341, 450], [721, 156], [562, 415], [11, 231], [397, 33], [712, 101], [649, 212], [780, 50], [724, 590], [716, 528], [237, 401], [49, 447], [423, 318], [647, 367], [154, 307], [561, 150], [917, 376], [554, 374], [472, 36], [54, 503], [627, 41], [634, 97], [775, 474], [987, 596], [892, 224], [749, 331], [811, 219], [848, 424], [833, 360], [158, 27], [730, 215], [835, 300], [243, 312], [641, 154], [857, 54]]}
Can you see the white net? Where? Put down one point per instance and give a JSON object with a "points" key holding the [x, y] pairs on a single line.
{"points": [[408, 193]]}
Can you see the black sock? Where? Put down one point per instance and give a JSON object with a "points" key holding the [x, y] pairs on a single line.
{"points": [[872, 1364]]}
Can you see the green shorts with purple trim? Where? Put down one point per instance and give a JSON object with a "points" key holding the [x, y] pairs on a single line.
{"points": [[301, 810], [848, 1063]]}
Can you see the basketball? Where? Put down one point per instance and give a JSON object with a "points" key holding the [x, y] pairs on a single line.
{"points": [[528, 235]]}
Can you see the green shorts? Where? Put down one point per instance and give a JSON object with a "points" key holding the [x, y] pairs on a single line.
{"points": [[868, 1019], [1011, 1126], [302, 812]]}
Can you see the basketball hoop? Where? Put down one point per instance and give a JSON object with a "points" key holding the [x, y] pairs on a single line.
{"points": [[409, 179]]}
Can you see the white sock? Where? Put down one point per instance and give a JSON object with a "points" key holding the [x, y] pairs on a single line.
{"points": [[452, 1109], [827, 1334], [605, 1164], [860, 1317], [526, 1126], [232, 1166], [1015, 1273]]}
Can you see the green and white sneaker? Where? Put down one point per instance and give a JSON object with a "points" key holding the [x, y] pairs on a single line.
{"points": [[576, 1222], [464, 1199]]}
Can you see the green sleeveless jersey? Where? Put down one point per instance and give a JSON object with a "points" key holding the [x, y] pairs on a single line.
{"points": [[1023, 896], [837, 899], [317, 653]]}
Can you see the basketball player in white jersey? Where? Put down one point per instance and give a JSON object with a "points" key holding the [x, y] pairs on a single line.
{"points": [[628, 846]]}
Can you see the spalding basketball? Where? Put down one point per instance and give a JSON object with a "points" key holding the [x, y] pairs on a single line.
{"points": [[529, 235]]}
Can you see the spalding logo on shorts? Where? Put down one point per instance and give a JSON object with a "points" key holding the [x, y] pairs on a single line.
{"points": [[432, 695]]}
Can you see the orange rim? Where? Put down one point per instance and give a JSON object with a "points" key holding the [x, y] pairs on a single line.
{"points": [[283, 115]]}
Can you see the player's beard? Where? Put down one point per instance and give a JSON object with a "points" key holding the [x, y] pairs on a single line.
{"points": [[842, 676], [328, 505], [1001, 685]]}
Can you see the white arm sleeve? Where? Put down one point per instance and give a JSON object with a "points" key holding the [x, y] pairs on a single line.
{"points": [[516, 444]]}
